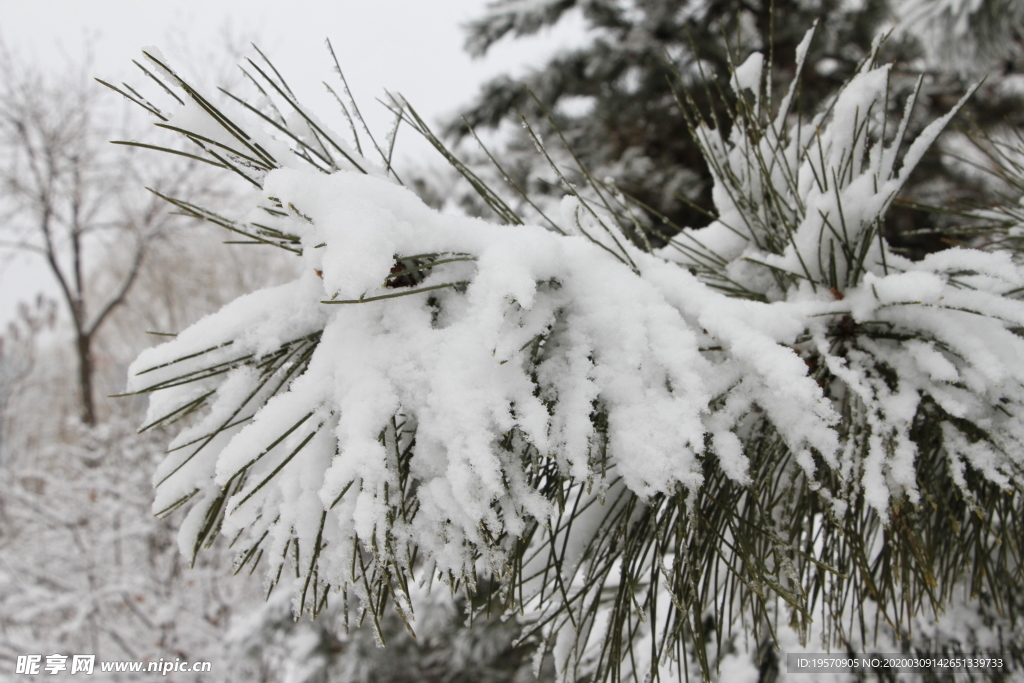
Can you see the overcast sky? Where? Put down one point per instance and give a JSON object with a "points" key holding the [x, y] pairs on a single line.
{"points": [[412, 47]]}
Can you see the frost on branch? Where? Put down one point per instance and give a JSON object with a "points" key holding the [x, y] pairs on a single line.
{"points": [[600, 427]]}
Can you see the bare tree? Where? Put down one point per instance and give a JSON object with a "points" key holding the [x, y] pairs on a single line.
{"points": [[74, 200]]}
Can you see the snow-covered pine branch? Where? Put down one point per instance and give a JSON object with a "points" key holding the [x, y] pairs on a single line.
{"points": [[602, 428]]}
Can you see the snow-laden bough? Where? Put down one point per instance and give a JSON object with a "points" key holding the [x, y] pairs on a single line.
{"points": [[437, 395]]}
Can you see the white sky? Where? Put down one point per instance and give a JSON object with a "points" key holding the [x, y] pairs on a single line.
{"points": [[411, 47]]}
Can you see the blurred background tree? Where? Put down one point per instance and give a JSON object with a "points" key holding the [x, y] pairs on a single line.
{"points": [[73, 202], [613, 99], [84, 565]]}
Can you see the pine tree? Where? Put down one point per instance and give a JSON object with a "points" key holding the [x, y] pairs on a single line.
{"points": [[613, 99], [613, 102], [665, 453]]}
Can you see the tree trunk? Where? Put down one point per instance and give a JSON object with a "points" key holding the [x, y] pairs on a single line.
{"points": [[85, 370]]}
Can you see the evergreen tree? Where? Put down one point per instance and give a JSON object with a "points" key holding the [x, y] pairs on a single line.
{"points": [[614, 99], [613, 102]]}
